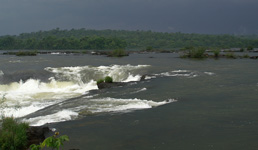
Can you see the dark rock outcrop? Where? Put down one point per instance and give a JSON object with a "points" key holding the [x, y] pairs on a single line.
{"points": [[254, 57], [104, 85], [36, 134], [143, 77]]}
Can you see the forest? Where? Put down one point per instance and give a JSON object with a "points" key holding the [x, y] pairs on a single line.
{"points": [[57, 39]]}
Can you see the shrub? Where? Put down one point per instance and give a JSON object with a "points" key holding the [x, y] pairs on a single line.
{"points": [[53, 142], [26, 53], [100, 81], [231, 55], [118, 53], [241, 50], [250, 48], [246, 56], [108, 79], [195, 53], [216, 53], [149, 48], [13, 135]]}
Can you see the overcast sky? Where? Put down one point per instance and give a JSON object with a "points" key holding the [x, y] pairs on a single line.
{"points": [[187, 16]]}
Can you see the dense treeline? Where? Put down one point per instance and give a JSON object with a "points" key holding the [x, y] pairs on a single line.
{"points": [[110, 39], [64, 43]]}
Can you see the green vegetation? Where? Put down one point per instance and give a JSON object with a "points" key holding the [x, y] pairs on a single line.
{"points": [[57, 39], [231, 55], [118, 53], [26, 53], [53, 142], [54, 43], [108, 79], [22, 53], [100, 81], [13, 134], [195, 53], [149, 48], [246, 56], [216, 53], [249, 48]]}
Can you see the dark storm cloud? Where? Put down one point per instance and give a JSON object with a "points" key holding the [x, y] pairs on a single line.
{"points": [[191, 16]]}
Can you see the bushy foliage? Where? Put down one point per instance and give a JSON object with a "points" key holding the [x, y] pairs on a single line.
{"points": [[53, 142], [118, 53], [108, 79], [149, 48], [100, 81], [195, 53], [112, 39], [250, 48], [216, 53], [246, 56], [51, 42], [13, 134], [26, 53], [231, 55]]}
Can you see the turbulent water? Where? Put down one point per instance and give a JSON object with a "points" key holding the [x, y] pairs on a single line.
{"points": [[181, 104], [25, 97]]}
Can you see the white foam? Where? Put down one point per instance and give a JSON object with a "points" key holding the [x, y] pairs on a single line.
{"points": [[97, 106], [174, 74], [209, 73], [60, 116], [119, 73], [36, 90], [55, 53], [132, 78], [15, 61], [178, 71], [22, 98], [150, 77], [117, 105], [33, 95], [20, 111], [1, 73], [141, 90]]}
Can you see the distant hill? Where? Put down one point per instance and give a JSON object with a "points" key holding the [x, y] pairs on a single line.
{"points": [[110, 39]]}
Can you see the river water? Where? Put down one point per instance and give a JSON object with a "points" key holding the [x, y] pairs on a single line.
{"points": [[181, 104]]}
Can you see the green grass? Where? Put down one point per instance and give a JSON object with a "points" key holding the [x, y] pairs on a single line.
{"points": [[13, 134]]}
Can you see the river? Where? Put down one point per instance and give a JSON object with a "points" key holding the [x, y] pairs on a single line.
{"points": [[181, 104]]}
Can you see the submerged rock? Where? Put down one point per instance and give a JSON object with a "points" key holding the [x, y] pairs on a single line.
{"points": [[36, 134], [86, 113]]}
